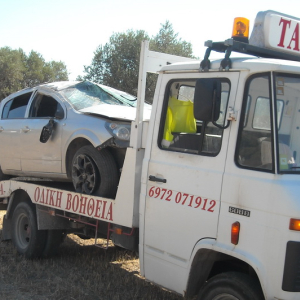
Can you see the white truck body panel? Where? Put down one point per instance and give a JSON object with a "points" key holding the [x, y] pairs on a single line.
{"points": [[195, 198]]}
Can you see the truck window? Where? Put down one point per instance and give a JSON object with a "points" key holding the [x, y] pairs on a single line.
{"points": [[287, 90], [260, 114], [254, 148], [180, 131]]}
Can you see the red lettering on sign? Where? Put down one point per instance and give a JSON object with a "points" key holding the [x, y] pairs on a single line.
{"points": [[185, 196], [191, 201], [91, 206], [69, 198], [181, 198], [51, 202], [283, 31], [295, 38], [82, 205], [109, 215], [47, 196], [37, 194], [42, 198], [98, 208], [103, 209], [213, 204], [169, 192], [178, 197], [75, 203], [58, 199]]}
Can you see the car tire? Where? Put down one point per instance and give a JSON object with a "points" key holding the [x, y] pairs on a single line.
{"points": [[26, 237], [94, 172], [231, 286]]}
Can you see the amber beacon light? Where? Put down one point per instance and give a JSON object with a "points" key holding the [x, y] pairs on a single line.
{"points": [[240, 31]]}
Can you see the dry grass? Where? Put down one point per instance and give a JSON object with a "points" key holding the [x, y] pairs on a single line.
{"points": [[79, 271]]}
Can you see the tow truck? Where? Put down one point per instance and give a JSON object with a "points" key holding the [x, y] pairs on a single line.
{"points": [[209, 190]]}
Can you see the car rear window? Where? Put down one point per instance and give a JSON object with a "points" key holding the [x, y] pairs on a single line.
{"points": [[16, 108]]}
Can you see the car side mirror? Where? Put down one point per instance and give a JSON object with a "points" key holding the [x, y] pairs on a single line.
{"points": [[47, 131], [207, 99]]}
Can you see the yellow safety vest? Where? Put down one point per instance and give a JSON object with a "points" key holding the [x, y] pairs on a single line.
{"points": [[180, 118]]}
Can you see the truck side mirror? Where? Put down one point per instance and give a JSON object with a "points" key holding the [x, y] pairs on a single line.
{"points": [[207, 99]]}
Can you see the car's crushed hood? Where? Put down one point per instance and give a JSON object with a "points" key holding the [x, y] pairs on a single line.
{"points": [[118, 112]]}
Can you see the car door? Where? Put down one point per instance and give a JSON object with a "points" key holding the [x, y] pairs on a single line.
{"points": [[37, 156], [184, 179], [11, 124]]}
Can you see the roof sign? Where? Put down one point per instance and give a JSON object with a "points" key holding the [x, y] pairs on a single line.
{"points": [[277, 31]]}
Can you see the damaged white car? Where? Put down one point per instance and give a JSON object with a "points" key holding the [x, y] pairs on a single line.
{"points": [[67, 131]]}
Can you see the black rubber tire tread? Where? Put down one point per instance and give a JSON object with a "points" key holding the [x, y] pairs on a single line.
{"points": [[236, 284], [108, 177], [25, 213], [53, 241]]}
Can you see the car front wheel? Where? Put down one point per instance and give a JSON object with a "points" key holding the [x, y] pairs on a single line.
{"points": [[94, 172]]}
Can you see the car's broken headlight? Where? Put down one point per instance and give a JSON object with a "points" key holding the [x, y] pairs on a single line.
{"points": [[119, 131]]}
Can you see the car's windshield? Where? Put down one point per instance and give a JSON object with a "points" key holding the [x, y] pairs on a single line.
{"points": [[86, 94]]}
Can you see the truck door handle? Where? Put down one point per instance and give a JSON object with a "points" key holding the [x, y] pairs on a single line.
{"points": [[154, 178], [25, 129]]}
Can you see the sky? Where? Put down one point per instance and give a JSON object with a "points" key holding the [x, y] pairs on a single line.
{"points": [[71, 30]]}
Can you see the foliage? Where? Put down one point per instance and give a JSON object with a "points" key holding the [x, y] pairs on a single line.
{"points": [[116, 64], [18, 71]]}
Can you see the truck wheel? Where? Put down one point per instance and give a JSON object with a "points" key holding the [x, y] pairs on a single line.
{"points": [[231, 286], [94, 172], [26, 237], [53, 241]]}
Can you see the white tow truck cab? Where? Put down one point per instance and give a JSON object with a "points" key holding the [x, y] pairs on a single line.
{"points": [[210, 187]]}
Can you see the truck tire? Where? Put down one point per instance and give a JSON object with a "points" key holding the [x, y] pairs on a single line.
{"points": [[53, 241], [94, 172], [26, 237], [231, 286]]}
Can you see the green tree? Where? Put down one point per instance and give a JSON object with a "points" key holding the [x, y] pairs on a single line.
{"points": [[167, 41], [18, 71], [116, 64], [11, 71]]}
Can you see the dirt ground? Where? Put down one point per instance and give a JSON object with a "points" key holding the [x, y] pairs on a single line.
{"points": [[79, 271]]}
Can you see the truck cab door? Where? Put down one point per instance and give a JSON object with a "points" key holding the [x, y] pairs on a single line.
{"points": [[184, 179]]}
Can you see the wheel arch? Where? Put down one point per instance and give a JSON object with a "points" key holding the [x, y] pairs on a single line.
{"points": [[71, 150], [15, 198], [210, 259]]}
